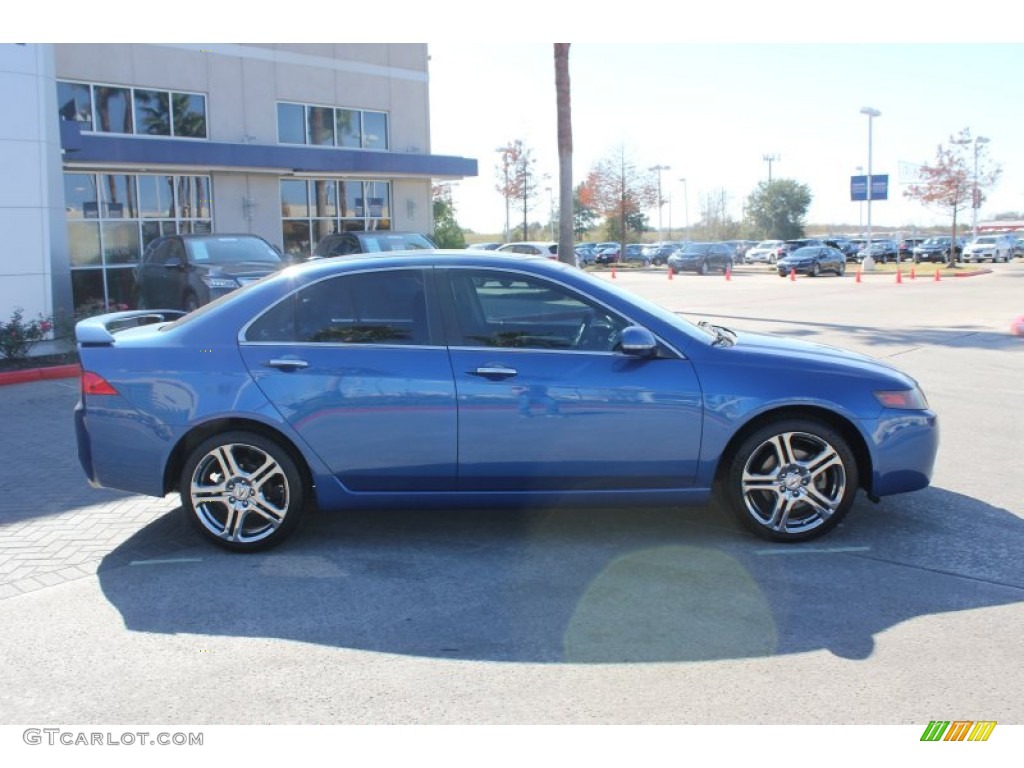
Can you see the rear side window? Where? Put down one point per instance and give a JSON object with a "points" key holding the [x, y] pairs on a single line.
{"points": [[369, 308]]}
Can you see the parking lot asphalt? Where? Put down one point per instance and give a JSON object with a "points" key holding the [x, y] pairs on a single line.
{"points": [[909, 611]]}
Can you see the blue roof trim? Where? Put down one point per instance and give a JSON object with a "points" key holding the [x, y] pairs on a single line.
{"points": [[145, 151]]}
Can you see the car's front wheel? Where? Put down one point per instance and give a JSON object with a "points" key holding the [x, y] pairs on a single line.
{"points": [[242, 491], [791, 480]]}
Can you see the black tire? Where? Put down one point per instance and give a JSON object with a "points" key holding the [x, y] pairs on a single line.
{"points": [[242, 491], [816, 270], [703, 268], [841, 269], [191, 303], [791, 480]]}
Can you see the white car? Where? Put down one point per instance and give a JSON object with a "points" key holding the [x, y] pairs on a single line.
{"points": [[765, 252], [993, 247], [532, 248]]}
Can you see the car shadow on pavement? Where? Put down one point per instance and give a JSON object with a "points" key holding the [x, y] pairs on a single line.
{"points": [[579, 585]]}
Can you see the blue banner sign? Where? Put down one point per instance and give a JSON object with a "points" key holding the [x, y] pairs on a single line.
{"points": [[879, 187]]}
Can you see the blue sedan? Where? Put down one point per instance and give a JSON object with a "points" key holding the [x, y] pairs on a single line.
{"points": [[439, 377]]}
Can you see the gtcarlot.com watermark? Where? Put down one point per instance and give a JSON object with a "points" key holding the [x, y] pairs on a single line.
{"points": [[59, 737]]}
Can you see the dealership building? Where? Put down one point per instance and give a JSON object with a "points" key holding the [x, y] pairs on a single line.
{"points": [[106, 147]]}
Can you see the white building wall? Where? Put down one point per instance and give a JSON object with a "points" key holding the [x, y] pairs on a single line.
{"points": [[33, 240]]}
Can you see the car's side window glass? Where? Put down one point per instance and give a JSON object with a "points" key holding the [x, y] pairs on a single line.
{"points": [[506, 309], [175, 250], [371, 308]]}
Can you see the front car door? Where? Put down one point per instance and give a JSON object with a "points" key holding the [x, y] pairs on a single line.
{"points": [[545, 400]]}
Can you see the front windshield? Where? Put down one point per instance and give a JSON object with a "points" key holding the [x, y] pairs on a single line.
{"points": [[699, 248]]}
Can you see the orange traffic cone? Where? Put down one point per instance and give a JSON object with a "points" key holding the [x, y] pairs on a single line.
{"points": [[913, 273], [792, 274], [670, 273], [728, 273], [613, 271], [899, 276], [937, 278], [858, 274]]}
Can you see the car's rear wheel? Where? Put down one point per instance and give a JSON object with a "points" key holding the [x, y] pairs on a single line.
{"points": [[242, 491], [703, 268], [841, 269], [791, 480], [816, 270], [191, 302]]}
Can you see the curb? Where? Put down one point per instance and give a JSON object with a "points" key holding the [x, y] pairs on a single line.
{"points": [[40, 374]]}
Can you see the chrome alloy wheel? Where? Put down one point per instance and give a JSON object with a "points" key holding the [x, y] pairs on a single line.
{"points": [[793, 483], [240, 493]]}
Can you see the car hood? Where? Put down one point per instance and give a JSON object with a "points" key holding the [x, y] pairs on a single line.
{"points": [[813, 354]]}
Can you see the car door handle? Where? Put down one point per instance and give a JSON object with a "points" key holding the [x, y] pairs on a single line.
{"points": [[495, 372], [286, 364]]}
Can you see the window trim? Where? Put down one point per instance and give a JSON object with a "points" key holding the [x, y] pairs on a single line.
{"points": [[92, 86], [306, 106]]}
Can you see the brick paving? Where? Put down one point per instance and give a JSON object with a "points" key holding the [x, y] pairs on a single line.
{"points": [[53, 526]]}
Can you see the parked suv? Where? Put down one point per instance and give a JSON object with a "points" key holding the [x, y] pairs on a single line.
{"points": [[187, 271], [993, 247], [371, 241]]}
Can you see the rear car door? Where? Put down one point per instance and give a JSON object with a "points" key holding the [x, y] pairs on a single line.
{"points": [[357, 366]]}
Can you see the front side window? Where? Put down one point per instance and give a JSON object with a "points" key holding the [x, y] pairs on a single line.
{"points": [[508, 310], [369, 308]]}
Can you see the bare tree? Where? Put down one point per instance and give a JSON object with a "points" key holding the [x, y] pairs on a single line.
{"points": [[956, 180], [566, 251], [517, 179], [619, 190]]}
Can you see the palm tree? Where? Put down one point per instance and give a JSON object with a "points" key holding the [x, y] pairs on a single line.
{"points": [[566, 251]]}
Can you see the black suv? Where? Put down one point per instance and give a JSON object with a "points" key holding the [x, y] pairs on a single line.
{"points": [[187, 271], [374, 241]]}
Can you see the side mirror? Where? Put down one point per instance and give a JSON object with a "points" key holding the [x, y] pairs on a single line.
{"points": [[638, 342]]}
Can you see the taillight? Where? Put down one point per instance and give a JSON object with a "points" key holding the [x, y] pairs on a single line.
{"points": [[94, 384]]}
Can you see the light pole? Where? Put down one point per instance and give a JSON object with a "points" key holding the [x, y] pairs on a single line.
{"points": [[872, 113], [551, 211], [975, 201], [659, 169], [770, 159], [504, 162], [686, 213]]}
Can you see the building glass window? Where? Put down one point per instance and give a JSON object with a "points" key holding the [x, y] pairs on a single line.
{"points": [[350, 129], [153, 112], [112, 217], [113, 110], [331, 127], [189, 111], [313, 209], [375, 130], [140, 111], [320, 126], [74, 102], [291, 124]]}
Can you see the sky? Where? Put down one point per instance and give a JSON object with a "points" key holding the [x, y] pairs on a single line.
{"points": [[711, 112]]}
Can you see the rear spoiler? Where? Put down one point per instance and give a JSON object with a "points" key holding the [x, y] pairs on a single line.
{"points": [[99, 331]]}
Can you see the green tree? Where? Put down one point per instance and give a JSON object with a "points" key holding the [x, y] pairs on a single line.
{"points": [[778, 209], [447, 232]]}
